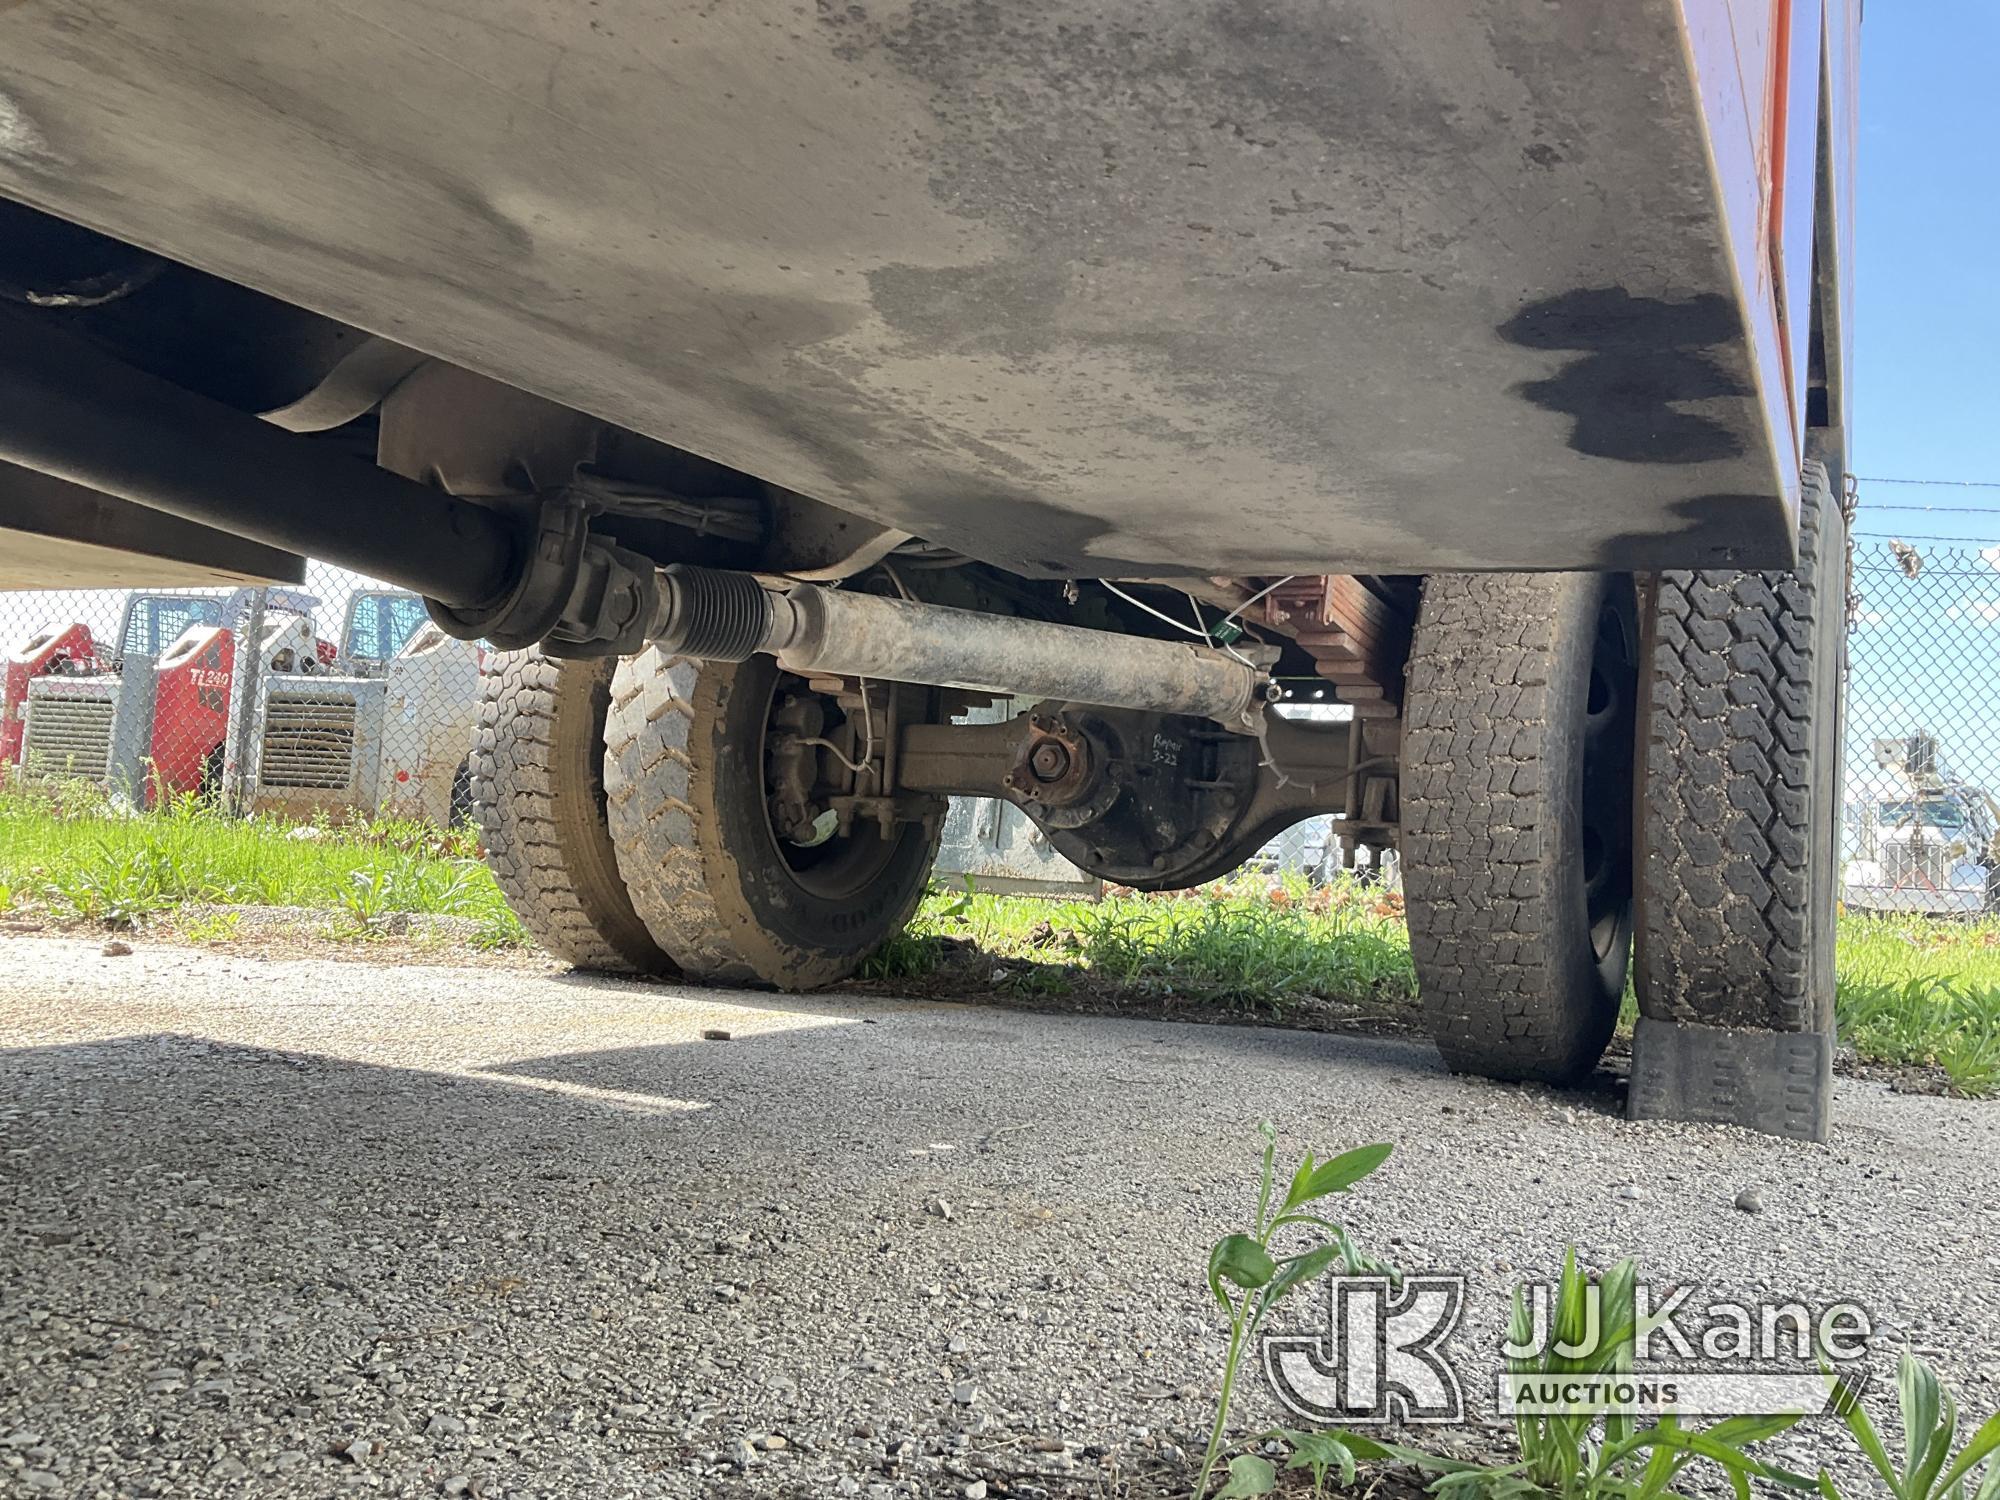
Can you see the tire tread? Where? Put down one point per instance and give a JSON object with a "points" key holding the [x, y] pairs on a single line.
{"points": [[534, 786], [1481, 881], [1741, 665]]}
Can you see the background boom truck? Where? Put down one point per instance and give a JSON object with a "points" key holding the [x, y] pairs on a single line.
{"points": [[1483, 367], [1926, 842]]}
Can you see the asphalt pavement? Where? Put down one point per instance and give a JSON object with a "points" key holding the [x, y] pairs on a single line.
{"points": [[307, 1226]]}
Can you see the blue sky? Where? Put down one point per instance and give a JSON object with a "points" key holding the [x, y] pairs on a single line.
{"points": [[1927, 240], [1925, 654]]}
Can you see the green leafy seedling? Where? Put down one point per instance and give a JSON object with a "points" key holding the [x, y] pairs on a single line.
{"points": [[1321, 1453], [1247, 1277], [1930, 1426], [1248, 1475]]}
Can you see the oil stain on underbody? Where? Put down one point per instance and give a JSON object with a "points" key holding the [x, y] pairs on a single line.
{"points": [[1639, 362]]}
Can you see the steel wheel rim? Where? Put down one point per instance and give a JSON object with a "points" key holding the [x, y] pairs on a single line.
{"points": [[846, 864]]}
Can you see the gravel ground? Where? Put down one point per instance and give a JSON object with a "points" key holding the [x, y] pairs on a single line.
{"points": [[306, 1227]]}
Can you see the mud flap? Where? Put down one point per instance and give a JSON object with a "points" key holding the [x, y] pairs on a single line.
{"points": [[1779, 1082]]}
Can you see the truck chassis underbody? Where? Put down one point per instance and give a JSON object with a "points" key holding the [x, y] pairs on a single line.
{"points": [[1166, 372]]}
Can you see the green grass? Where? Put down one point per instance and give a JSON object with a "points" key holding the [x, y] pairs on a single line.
{"points": [[1249, 943], [1876, 950], [1923, 992], [65, 847], [1911, 991]]}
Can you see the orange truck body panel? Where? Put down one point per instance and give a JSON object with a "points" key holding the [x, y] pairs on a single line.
{"points": [[1777, 87]]}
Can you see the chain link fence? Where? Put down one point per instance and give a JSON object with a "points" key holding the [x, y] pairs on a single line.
{"points": [[1920, 815], [340, 698], [335, 698]]}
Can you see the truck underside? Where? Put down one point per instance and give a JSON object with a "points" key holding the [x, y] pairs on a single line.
{"points": [[786, 385], [1078, 290]]}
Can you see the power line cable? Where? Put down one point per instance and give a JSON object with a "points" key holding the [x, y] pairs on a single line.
{"points": [[1958, 484], [1917, 536], [1934, 510]]}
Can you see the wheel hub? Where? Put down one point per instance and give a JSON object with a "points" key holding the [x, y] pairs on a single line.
{"points": [[822, 756]]}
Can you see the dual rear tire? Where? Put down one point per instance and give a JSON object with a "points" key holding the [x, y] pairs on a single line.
{"points": [[689, 751], [1517, 816], [1698, 748], [536, 778], [623, 807]]}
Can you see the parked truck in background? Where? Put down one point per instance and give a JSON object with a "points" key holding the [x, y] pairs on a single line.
{"points": [[775, 388], [1925, 842]]}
